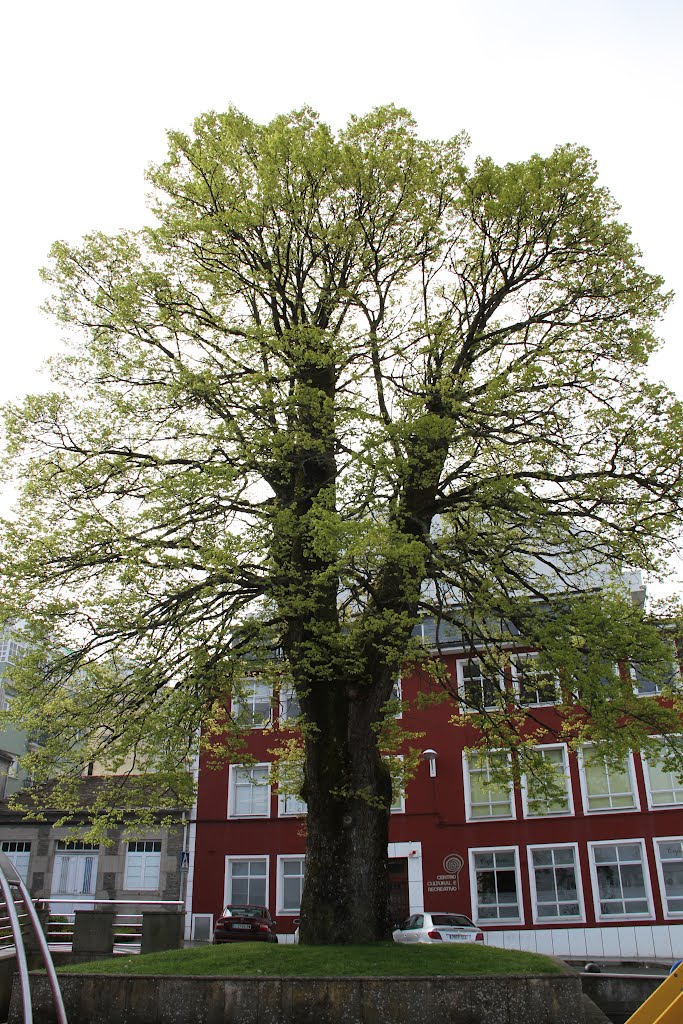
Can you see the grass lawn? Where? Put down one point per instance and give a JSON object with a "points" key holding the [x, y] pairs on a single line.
{"points": [[384, 958]]}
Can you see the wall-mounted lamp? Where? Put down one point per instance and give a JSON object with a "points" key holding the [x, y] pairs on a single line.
{"points": [[430, 756]]}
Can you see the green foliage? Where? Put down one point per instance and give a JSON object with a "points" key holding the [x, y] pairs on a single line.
{"points": [[341, 382]]}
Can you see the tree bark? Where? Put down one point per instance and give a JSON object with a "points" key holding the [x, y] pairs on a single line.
{"points": [[348, 792]]}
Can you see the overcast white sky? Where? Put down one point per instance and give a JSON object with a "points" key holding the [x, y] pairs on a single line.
{"points": [[89, 90]]}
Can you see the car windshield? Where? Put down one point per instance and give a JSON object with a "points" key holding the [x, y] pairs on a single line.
{"points": [[452, 921], [244, 912]]}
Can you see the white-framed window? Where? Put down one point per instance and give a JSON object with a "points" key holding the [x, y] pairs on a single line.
{"points": [[669, 856], [75, 868], [398, 800], [143, 865], [290, 883], [290, 709], [478, 690], [252, 708], [604, 786], [495, 886], [535, 686], [483, 798], [555, 876], [646, 687], [621, 882], [290, 805], [18, 852], [11, 650], [246, 881], [396, 695], [535, 804], [77, 846], [664, 788], [249, 791]]}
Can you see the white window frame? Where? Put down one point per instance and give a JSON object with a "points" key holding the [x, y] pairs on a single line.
{"points": [[287, 695], [464, 707], [675, 675], [648, 788], [397, 694], [245, 704], [282, 859], [148, 857], [233, 779], [261, 858], [592, 846], [466, 771], [524, 786], [297, 807], [582, 758], [570, 919], [397, 806], [488, 922], [668, 914], [517, 682], [18, 852]]}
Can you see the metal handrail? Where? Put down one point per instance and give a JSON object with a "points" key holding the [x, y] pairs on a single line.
{"points": [[10, 880]]}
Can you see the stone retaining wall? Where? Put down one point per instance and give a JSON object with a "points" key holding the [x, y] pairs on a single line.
{"points": [[127, 999], [619, 995]]}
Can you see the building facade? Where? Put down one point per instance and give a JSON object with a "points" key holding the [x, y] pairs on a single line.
{"points": [[594, 871]]}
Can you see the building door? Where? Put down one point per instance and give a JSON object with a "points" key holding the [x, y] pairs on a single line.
{"points": [[75, 874], [399, 902]]}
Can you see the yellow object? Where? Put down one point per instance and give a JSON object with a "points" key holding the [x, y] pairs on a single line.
{"points": [[665, 1005]]}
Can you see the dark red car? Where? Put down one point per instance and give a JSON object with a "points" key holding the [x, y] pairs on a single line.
{"points": [[245, 924]]}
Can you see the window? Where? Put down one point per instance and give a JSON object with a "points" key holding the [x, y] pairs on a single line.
{"points": [[607, 787], [19, 854], [646, 687], [620, 880], [75, 868], [249, 795], [246, 881], [669, 854], [252, 707], [77, 846], [290, 708], [10, 650], [536, 685], [398, 782], [555, 883], [290, 882], [394, 705], [6, 763], [478, 691], [538, 805], [664, 788], [143, 865], [289, 804], [495, 886], [483, 798]]}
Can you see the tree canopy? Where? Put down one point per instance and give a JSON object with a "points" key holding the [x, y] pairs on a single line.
{"points": [[341, 382]]}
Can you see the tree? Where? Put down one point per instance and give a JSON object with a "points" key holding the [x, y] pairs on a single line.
{"points": [[343, 381]]}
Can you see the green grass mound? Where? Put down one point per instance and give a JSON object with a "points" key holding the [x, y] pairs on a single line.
{"points": [[384, 958]]}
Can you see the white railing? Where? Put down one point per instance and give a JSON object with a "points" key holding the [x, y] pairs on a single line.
{"points": [[59, 927]]}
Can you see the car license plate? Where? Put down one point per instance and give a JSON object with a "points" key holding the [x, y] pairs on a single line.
{"points": [[456, 938], [248, 926]]}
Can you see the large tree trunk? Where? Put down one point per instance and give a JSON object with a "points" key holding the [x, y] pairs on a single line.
{"points": [[348, 792]]}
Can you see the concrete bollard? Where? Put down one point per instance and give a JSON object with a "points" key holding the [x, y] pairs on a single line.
{"points": [[162, 930], [93, 934]]}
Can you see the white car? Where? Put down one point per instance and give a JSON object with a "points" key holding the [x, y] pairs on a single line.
{"points": [[438, 927]]}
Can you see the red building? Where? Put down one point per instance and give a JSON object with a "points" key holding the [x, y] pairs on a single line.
{"points": [[596, 871]]}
